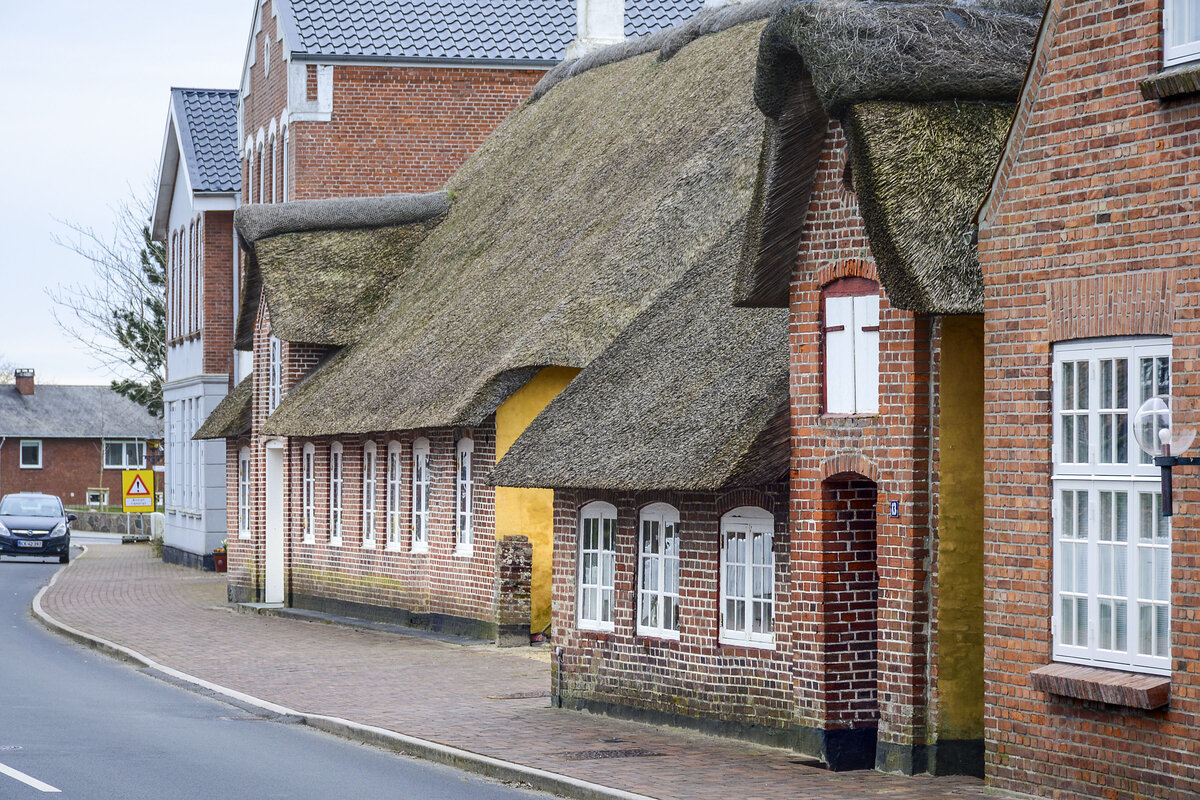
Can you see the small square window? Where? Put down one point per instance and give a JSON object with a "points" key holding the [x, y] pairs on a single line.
{"points": [[31, 454]]}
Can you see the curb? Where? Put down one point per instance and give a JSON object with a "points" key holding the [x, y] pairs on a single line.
{"points": [[424, 749]]}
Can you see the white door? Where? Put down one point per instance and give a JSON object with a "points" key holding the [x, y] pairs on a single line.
{"points": [[273, 591]]}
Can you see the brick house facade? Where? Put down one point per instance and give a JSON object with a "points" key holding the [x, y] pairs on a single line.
{"points": [[1087, 243]]}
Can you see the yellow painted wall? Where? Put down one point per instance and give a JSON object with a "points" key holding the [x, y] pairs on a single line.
{"points": [[530, 512], [960, 531]]}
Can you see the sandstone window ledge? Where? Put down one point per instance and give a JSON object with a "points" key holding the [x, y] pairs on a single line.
{"points": [[1172, 82], [1103, 685]]}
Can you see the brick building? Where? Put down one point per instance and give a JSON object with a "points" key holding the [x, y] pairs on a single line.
{"points": [[71, 441], [838, 612], [397, 351], [1088, 246]]}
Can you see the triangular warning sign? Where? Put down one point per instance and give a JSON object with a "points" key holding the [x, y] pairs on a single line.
{"points": [[137, 488]]}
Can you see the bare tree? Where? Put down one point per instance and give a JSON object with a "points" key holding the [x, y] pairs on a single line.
{"points": [[121, 315]]}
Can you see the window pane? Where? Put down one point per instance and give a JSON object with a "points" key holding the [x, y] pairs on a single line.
{"points": [[1161, 626]]}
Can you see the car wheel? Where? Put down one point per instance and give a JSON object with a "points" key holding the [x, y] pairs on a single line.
{"points": [[65, 558]]}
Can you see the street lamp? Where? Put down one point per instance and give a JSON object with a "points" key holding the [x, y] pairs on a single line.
{"points": [[1165, 442]]}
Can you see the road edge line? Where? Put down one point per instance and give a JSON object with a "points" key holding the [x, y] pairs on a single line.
{"points": [[424, 749]]}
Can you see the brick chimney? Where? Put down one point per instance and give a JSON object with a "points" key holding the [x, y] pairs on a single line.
{"points": [[24, 380], [599, 23]]}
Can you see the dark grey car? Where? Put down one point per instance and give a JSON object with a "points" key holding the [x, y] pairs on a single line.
{"points": [[33, 524]]}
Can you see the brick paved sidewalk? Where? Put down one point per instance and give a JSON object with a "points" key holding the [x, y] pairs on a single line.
{"points": [[477, 698]]}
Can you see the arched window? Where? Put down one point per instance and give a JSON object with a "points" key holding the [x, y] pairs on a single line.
{"points": [[249, 172], [262, 169], [368, 498], [658, 586], [335, 493], [244, 493], [851, 331], [286, 147], [597, 566], [308, 493], [747, 577], [421, 492], [464, 493], [394, 485]]}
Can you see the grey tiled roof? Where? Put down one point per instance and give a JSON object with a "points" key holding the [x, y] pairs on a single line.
{"points": [[207, 120], [499, 30], [84, 412]]}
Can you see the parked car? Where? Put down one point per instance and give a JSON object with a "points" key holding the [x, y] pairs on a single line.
{"points": [[35, 524]]}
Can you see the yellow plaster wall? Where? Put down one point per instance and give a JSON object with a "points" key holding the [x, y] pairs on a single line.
{"points": [[960, 531], [530, 512]]}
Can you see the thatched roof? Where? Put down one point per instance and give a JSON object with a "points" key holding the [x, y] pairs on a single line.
{"points": [[570, 220], [326, 266], [692, 395], [231, 417], [920, 171], [827, 56]]}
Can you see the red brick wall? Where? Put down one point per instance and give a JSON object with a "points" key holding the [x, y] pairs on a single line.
{"points": [[1092, 233], [217, 263], [69, 468], [694, 676], [890, 450]]}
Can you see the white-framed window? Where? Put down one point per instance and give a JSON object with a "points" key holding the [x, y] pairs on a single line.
{"points": [[125, 453], [243, 494], [394, 485], [1181, 31], [335, 493], [274, 373], [851, 330], [1112, 546], [747, 577], [464, 496], [368, 494], [31, 454], [658, 582], [308, 492], [597, 566], [421, 492]]}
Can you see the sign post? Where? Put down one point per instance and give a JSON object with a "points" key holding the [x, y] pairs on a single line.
{"points": [[137, 491]]}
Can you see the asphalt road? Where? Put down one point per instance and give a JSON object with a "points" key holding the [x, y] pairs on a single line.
{"points": [[87, 726]]}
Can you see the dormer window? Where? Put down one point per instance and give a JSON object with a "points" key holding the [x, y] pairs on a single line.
{"points": [[851, 331], [1181, 31]]}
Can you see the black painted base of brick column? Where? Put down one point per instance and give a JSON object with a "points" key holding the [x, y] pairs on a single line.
{"points": [[956, 757]]}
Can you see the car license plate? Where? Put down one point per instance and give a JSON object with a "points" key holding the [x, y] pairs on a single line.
{"points": [[29, 543]]}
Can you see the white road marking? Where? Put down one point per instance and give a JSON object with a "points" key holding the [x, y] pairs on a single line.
{"points": [[27, 779]]}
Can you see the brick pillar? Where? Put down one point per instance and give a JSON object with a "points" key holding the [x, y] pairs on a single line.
{"points": [[514, 570]]}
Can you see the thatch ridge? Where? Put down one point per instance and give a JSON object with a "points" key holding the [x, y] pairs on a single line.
{"points": [[571, 219], [231, 417], [259, 221], [920, 172], [859, 50], [666, 42], [693, 395]]}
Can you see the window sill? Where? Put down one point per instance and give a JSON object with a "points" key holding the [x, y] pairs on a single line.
{"points": [[420, 549], [1172, 82], [745, 645], [596, 634], [463, 551], [369, 545], [1109, 686], [31, 466], [660, 638]]}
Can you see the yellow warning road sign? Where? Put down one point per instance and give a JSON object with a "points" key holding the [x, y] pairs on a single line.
{"points": [[137, 490]]}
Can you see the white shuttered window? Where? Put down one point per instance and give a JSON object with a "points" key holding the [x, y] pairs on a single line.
{"points": [[597, 566], [852, 350], [747, 577]]}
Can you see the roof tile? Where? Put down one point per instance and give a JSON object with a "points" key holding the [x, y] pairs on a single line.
{"points": [[207, 120]]}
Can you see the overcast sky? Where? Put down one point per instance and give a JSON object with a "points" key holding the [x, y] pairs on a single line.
{"points": [[85, 89]]}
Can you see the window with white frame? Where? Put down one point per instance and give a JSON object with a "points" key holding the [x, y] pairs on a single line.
{"points": [[421, 493], [464, 494], [851, 330], [1181, 31], [125, 454], [597, 566], [747, 577], [1112, 546], [335, 493], [658, 587], [394, 485], [31, 454], [274, 374], [308, 493], [243, 494], [368, 494]]}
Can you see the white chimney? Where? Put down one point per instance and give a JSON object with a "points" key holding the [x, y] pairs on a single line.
{"points": [[599, 24]]}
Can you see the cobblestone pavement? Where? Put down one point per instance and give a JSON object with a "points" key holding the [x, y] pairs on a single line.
{"points": [[477, 698]]}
